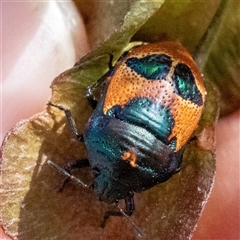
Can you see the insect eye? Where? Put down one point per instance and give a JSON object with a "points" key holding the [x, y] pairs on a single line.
{"points": [[95, 172]]}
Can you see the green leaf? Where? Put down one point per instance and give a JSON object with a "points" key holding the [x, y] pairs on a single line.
{"points": [[183, 21], [219, 55], [102, 18]]}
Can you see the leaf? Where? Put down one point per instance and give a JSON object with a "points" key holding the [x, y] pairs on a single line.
{"points": [[219, 55], [102, 18], [183, 21]]}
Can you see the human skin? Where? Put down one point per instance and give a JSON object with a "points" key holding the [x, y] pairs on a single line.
{"points": [[221, 215], [40, 40]]}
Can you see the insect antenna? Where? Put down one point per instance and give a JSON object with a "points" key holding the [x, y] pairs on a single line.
{"points": [[134, 225], [67, 174]]}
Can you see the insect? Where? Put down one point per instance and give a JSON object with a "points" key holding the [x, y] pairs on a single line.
{"points": [[151, 102]]}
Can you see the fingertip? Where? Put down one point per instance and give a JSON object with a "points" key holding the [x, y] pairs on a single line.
{"points": [[40, 40]]}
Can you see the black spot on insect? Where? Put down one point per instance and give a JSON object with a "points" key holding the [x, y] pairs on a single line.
{"points": [[184, 84]]}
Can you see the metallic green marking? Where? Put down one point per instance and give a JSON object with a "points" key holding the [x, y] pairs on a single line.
{"points": [[184, 84], [153, 67]]}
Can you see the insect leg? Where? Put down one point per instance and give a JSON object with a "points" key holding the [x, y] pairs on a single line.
{"points": [[70, 121], [89, 93], [66, 171], [129, 201]]}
